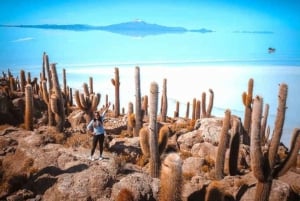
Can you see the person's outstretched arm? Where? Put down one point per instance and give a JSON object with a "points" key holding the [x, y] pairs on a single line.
{"points": [[105, 110]]}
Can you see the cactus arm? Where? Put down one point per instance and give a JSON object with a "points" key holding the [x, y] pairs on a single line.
{"points": [[28, 120], [264, 124], [234, 147], [278, 124], [204, 105], [210, 103], [77, 100], [95, 102], [257, 159], [292, 156], [220, 159]]}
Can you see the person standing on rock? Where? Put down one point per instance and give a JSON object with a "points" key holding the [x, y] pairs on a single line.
{"points": [[97, 128]]}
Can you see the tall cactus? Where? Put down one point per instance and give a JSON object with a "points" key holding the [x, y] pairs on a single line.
{"points": [[234, 146], [87, 102], [22, 80], [47, 88], [187, 113], [265, 166], [206, 112], [247, 101], [171, 178], [57, 102], [153, 138], [116, 83], [220, 159], [164, 102], [138, 110], [28, 120], [198, 109], [194, 109]]}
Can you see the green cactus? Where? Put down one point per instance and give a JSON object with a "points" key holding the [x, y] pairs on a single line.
{"points": [[153, 139], [28, 120], [171, 178], [116, 83], [220, 159], [164, 102], [265, 166]]}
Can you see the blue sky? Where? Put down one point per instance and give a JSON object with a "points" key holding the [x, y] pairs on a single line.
{"points": [[220, 15]]}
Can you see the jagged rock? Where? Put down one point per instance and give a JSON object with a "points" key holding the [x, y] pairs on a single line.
{"points": [[186, 141], [142, 186], [210, 129]]}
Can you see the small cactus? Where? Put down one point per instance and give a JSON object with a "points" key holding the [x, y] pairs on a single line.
{"points": [[171, 178], [28, 108]]}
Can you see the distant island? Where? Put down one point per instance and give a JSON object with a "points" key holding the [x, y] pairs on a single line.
{"points": [[137, 28]]}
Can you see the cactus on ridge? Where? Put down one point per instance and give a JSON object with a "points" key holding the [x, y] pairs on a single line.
{"points": [[87, 102], [57, 101], [116, 83], [220, 158], [247, 101], [265, 166], [138, 107], [171, 181], [164, 102], [153, 138], [28, 120]]}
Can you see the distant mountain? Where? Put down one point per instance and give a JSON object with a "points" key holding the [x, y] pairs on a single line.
{"points": [[134, 28]]}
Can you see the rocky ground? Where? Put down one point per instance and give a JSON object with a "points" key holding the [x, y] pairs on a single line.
{"points": [[45, 165]]}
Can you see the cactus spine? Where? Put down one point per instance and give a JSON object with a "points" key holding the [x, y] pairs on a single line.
{"points": [[265, 166], [153, 138], [171, 178], [116, 83], [28, 108], [164, 103], [220, 159], [138, 110]]}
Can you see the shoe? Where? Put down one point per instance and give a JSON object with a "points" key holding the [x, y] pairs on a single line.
{"points": [[91, 158], [100, 158]]}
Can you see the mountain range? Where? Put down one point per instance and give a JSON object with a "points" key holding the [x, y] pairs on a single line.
{"points": [[137, 28]]}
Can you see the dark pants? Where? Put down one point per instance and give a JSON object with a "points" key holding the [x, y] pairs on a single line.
{"points": [[100, 139]]}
